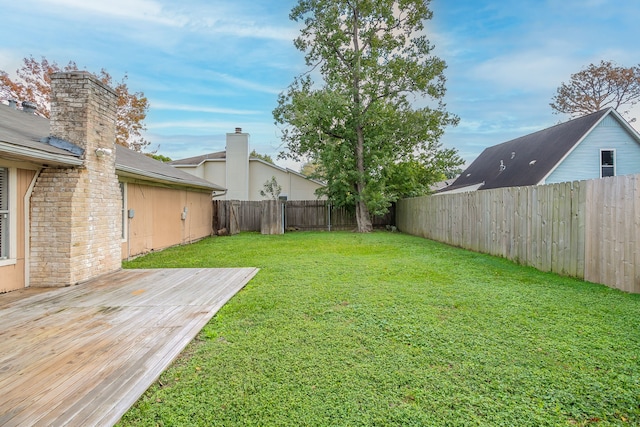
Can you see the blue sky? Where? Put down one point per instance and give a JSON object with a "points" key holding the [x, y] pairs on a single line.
{"points": [[208, 67]]}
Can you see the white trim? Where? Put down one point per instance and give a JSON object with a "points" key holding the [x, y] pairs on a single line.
{"points": [[39, 155], [130, 172], [27, 229], [472, 187], [634, 134], [615, 162], [584, 135], [12, 256]]}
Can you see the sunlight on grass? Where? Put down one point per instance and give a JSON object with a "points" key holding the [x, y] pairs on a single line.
{"points": [[388, 329]]}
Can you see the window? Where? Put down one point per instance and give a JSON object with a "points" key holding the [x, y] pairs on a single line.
{"points": [[4, 213], [607, 163]]}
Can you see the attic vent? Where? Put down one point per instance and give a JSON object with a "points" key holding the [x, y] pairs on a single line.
{"points": [[28, 107], [468, 175], [532, 162], [502, 166], [513, 155]]}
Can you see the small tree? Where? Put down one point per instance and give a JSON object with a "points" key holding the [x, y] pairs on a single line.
{"points": [[597, 87], [34, 85], [271, 189]]}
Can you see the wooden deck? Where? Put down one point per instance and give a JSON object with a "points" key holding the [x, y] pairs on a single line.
{"points": [[83, 355]]}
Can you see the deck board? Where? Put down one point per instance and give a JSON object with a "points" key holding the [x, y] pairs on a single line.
{"points": [[83, 355]]}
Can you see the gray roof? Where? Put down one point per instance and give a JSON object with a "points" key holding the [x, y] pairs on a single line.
{"points": [[529, 159], [222, 155], [194, 161], [132, 163], [24, 136]]}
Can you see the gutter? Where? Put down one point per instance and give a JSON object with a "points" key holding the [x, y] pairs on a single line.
{"points": [[139, 173], [39, 155]]}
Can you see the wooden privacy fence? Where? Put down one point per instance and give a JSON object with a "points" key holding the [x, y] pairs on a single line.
{"points": [[586, 229], [234, 216], [312, 215]]}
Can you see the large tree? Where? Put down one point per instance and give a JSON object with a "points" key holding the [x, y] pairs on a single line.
{"points": [[267, 158], [597, 87], [33, 84], [375, 64]]}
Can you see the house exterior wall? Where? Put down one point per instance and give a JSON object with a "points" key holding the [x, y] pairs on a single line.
{"points": [[157, 222], [75, 211], [13, 274], [293, 186], [214, 171], [584, 161]]}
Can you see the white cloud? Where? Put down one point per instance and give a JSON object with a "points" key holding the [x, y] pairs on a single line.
{"points": [[10, 61], [246, 28], [209, 126], [200, 18], [246, 84], [198, 109], [139, 10], [527, 71]]}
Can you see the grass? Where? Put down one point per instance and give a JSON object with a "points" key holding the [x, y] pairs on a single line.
{"points": [[386, 329]]}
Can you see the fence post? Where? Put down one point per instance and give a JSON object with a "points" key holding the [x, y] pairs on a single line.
{"points": [[233, 218], [271, 218]]}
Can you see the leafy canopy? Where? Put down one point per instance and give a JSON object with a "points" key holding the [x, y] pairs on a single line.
{"points": [[33, 84], [267, 158], [378, 103], [597, 87]]}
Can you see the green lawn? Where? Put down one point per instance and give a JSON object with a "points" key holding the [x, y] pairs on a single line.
{"points": [[343, 329]]}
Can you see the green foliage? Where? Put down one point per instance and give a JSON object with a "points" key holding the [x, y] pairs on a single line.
{"points": [[385, 329], [264, 157], [271, 189], [159, 157], [312, 169], [375, 63], [411, 179]]}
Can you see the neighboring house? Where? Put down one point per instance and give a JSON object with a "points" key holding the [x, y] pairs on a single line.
{"points": [[597, 145], [244, 176], [441, 185], [72, 204]]}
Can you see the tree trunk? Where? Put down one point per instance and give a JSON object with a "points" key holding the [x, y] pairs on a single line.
{"points": [[362, 212], [363, 218]]}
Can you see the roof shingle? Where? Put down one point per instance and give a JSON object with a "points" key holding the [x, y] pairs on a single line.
{"points": [[528, 159]]}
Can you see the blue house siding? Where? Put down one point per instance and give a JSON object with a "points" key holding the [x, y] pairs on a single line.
{"points": [[584, 161]]}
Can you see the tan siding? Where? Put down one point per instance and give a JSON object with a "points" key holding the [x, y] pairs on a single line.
{"points": [[158, 223]]}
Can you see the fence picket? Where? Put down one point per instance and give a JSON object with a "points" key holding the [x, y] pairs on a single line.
{"points": [[586, 229]]}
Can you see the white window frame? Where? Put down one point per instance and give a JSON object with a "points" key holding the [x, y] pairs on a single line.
{"points": [[613, 150], [11, 257]]}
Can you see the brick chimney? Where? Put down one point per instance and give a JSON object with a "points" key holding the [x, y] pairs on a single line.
{"points": [[76, 211]]}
